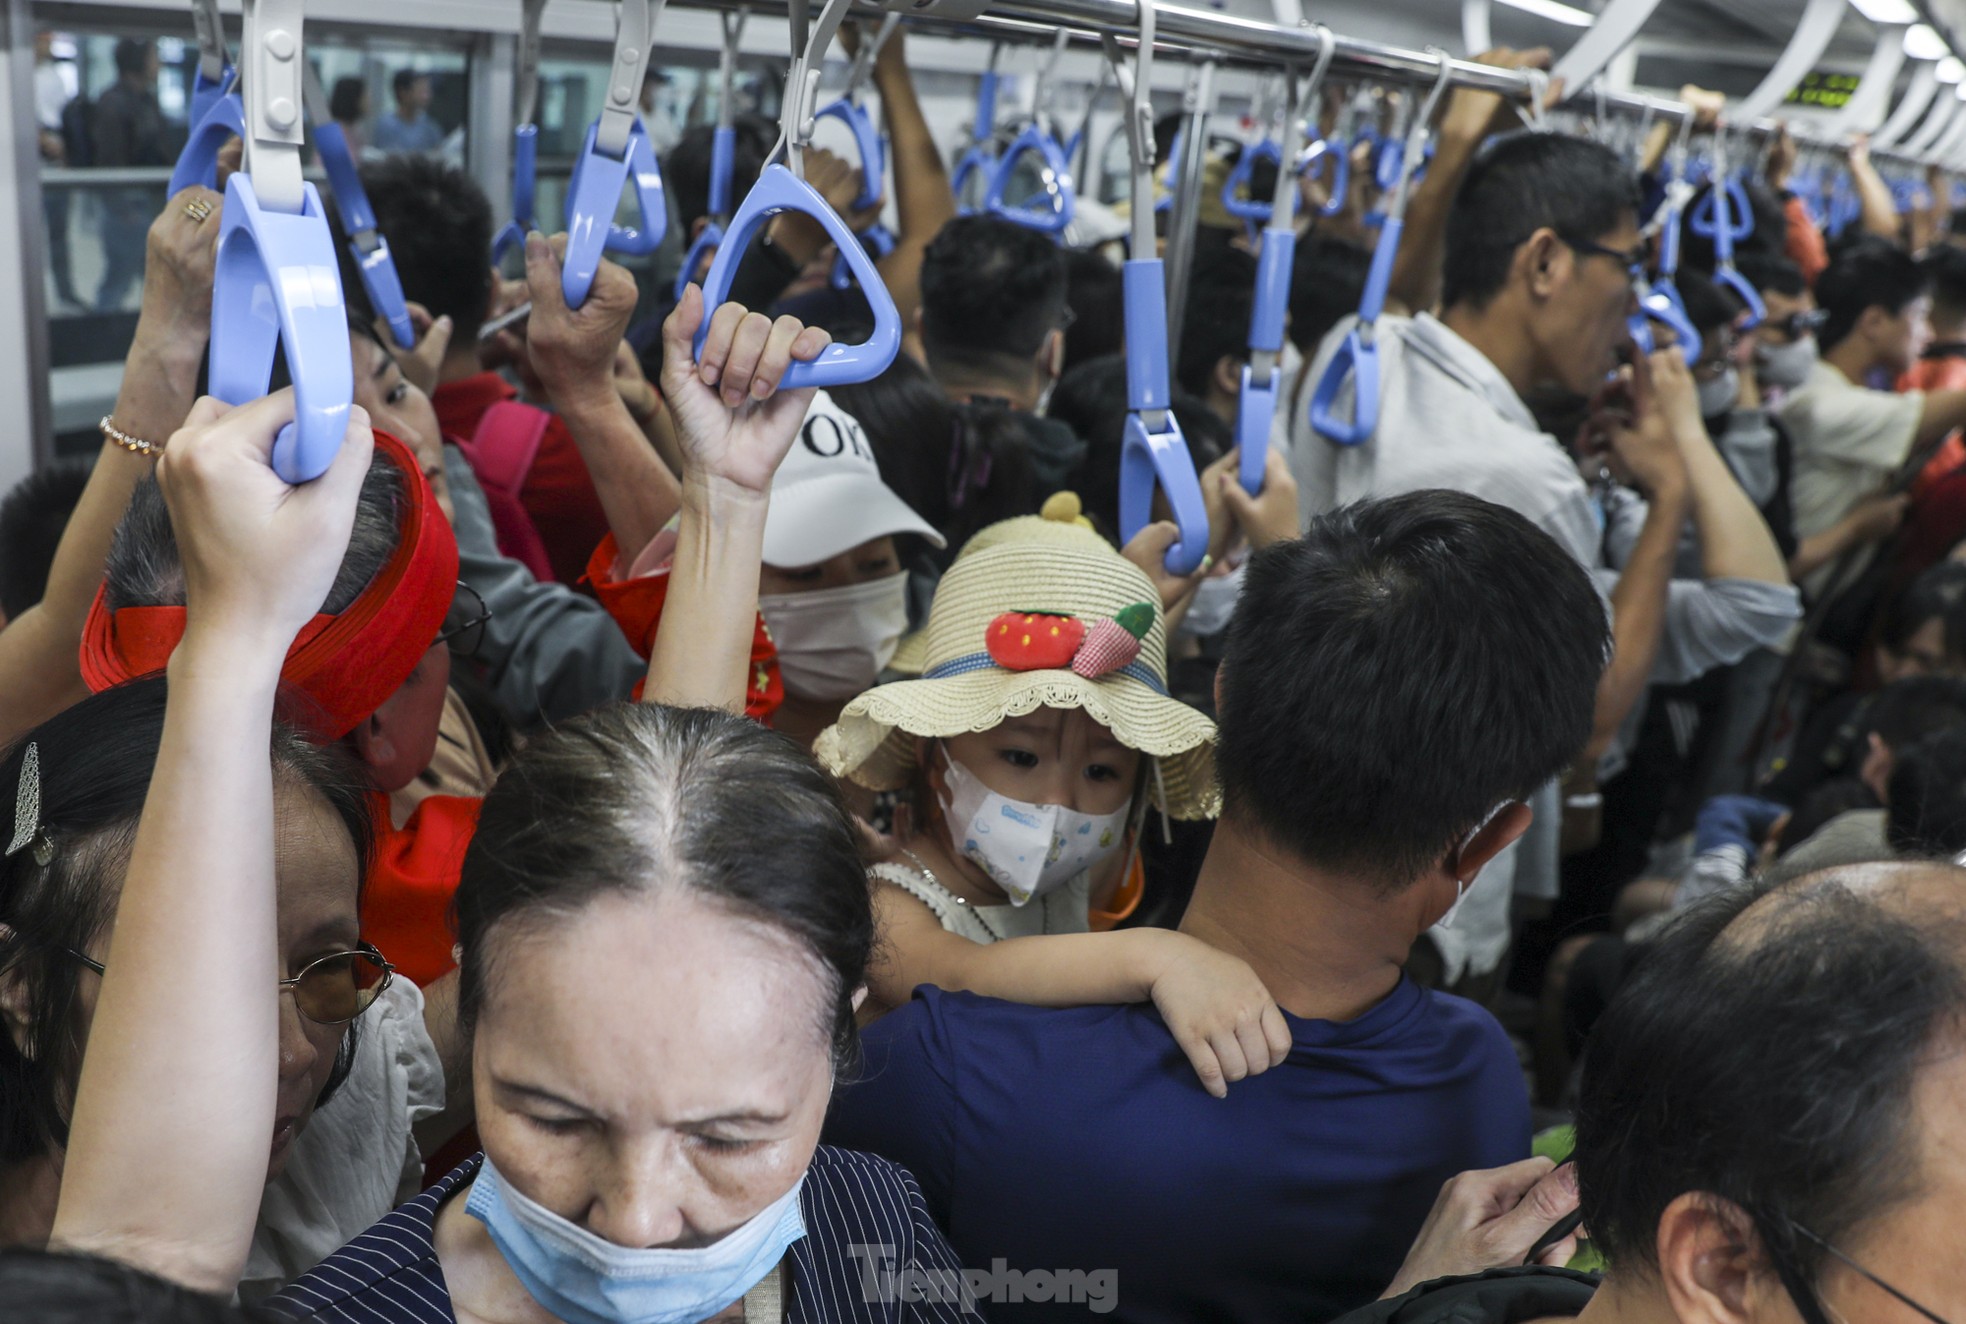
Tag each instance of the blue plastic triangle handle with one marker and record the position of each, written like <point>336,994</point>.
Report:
<point>867,142</point>
<point>1340,174</point>
<point>706,242</point>
<point>205,93</point>
<point>975,163</point>
<point>277,284</point>
<point>594,193</point>
<point>779,190</point>
<point>1358,356</point>
<point>197,163</point>
<point>1663,305</point>
<point>1238,198</point>
<point>1160,457</point>
<point>1060,203</point>
<point>525,155</point>
<point>378,269</point>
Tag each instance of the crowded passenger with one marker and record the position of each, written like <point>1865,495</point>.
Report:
<point>706,810</point>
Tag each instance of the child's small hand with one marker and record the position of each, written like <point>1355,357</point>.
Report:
<point>1220,1013</point>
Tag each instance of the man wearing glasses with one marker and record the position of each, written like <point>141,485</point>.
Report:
<point>1530,248</point>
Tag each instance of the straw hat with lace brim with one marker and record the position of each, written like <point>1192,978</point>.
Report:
<point>1035,613</point>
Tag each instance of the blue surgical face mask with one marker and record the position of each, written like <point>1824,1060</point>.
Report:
<point>585,1279</point>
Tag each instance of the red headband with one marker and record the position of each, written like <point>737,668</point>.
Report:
<point>346,665</point>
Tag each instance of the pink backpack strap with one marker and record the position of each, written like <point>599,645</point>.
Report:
<point>501,452</point>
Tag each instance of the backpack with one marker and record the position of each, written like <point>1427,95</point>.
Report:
<point>501,452</point>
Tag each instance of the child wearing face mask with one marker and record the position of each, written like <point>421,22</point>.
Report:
<point>1034,741</point>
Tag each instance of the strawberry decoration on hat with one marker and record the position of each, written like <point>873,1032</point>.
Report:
<point>1050,641</point>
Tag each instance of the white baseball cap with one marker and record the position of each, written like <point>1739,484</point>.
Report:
<point>828,497</point>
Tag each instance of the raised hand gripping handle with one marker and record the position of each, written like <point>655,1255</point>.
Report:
<point>1060,203</point>
<point>197,163</point>
<point>592,196</point>
<point>1257,406</point>
<point>365,238</point>
<point>1358,357</point>
<point>525,154</point>
<point>868,144</point>
<point>277,284</point>
<point>779,190</point>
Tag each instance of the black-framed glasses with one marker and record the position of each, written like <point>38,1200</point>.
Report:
<point>1797,325</point>
<point>1633,260</point>
<point>330,990</point>
<point>465,637</point>
<point>1808,1304</point>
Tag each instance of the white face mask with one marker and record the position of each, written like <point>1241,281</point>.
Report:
<point>1026,849</point>
<point>1213,604</point>
<point>1717,397</point>
<point>1786,366</point>
<point>833,643</point>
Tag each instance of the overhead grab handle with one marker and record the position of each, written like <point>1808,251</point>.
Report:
<point>276,282</point>
<point>782,188</point>
<point>366,242</point>
<point>215,72</point>
<point>1357,358</point>
<point>1049,210</point>
<point>1726,216</point>
<point>617,151</point>
<point>1153,452</point>
<point>1810,39</point>
<point>1262,382</point>
<point>525,133</point>
<point>978,160</point>
<point>723,156</point>
<point>1617,23</point>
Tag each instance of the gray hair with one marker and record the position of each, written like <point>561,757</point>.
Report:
<point>145,569</point>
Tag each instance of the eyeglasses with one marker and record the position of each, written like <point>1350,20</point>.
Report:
<point>330,990</point>
<point>1633,261</point>
<point>465,637</point>
<point>1797,325</point>
<point>1807,1304</point>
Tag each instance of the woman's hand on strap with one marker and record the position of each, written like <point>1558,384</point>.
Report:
<point>734,424</point>
<point>260,554</point>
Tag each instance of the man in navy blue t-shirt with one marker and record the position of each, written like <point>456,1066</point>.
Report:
<point>1394,683</point>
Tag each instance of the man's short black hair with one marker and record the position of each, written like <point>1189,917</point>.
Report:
<point>1873,273</point>
<point>1327,283</point>
<point>1916,706</point>
<point>686,170</point>
<point>439,226</point>
<point>1772,274</point>
<point>1926,814</point>
<point>405,81</point>
<point>1938,594</point>
<point>133,56</point>
<point>345,102</point>
<point>32,518</point>
<point>1770,1064</point>
<point>1945,275</point>
<point>1217,322</point>
<point>1522,183</point>
<point>1399,671</point>
<point>992,290</point>
<point>1094,293</point>
<point>1709,307</point>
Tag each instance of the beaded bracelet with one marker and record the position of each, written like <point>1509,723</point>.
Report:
<point>134,445</point>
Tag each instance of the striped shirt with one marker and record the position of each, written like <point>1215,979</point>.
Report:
<point>871,1253</point>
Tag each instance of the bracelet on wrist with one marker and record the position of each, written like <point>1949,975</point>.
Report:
<point>115,436</point>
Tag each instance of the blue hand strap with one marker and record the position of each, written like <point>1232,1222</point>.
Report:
<point>1049,211</point>
<point>525,153</point>
<point>779,190</point>
<point>197,163</point>
<point>877,238</point>
<point>277,283</point>
<point>1258,404</point>
<point>867,143</point>
<point>1358,356</point>
<point>1338,179</point>
<point>1724,215</point>
<point>1238,198</point>
<point>1662,304</point>
<point>365,238</point>
<point>978,161</point>
<point>592,196</point>
<point>205,93</point>
<point>1154,453</point>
